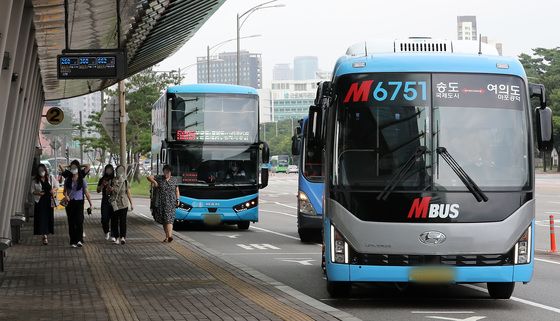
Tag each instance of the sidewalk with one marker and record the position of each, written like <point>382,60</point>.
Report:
<point>142,280</point>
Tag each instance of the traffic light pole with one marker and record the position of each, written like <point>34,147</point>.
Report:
<point>122,119</point>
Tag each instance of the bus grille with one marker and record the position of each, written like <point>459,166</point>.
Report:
<point>416,260</point>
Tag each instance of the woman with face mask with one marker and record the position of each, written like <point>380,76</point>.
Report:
<point>44,188</point>
<point>75,191</point>
<point>120,200</point>
<point>167,200</point>
<point>106,209</point>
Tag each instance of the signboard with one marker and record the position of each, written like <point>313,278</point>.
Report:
<point>110,120</point>
<point>91,66</point>
<point>214,135</point>
<point>55,116</point>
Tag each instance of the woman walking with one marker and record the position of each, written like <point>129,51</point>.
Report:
<point>75,190</point>
<point>44,187</point>
<point>120,200</point>
<point>166,200</point>
<point>106,209</point>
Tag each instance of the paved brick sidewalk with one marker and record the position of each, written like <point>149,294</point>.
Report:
<point>142,280</point>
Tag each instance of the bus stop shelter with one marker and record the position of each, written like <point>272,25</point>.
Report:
<point>34,32</point>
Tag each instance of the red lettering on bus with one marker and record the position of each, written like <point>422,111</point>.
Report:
<point>359,93</point>
<point>419,208</point>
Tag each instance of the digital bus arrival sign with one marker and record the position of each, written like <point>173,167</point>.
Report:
<point>91,66</point>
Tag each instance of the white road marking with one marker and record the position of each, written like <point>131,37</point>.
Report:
<point>275,212</point>
<point>455,319</point>
<point>253,246</point>
<point>553,202</point>
<point>288,206</point>
<point>442,312</point>
<point>231,236</point>
<point>277,233</point>
<point>268,253</point>
<point>547,261</point>
<point>299,261</point>
<point>527,302</point>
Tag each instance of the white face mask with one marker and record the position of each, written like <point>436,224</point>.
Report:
<point>74,171</point>
<point>42,173</point>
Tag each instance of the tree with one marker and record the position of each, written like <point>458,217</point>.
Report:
<point>543,66</point>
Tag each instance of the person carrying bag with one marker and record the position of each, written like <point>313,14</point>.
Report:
<point>120,200</point>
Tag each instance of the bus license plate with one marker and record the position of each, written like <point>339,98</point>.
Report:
<point>212,219</point>
<point>432,275</point>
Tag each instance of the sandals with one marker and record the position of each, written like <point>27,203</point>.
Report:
<point>167,240</point>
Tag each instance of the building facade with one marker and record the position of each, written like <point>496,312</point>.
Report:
<point>282,72</point>
<point>292,98</point>
<point>266,106</point>
<point>305,67</point>
<point>466,28</point>
<point>223,69</point>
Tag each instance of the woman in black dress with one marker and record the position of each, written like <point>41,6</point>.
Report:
<point>44,188</point>
<point>106,209</point>
<point>166,200</point>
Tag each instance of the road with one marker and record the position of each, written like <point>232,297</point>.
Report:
<point>272,247</point>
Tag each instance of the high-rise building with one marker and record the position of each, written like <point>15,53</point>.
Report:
<point>223,69</point>
<point>266,106</point>
<point>498,45</point>
<point>87,104</point>
<point>282,72</point>
<point>466,28</point>
<point>305,67</point>
<point>292,98</point>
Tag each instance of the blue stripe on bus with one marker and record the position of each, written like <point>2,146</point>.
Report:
<point>211,89</point>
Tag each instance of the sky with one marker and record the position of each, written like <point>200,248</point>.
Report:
<point>326,28</point>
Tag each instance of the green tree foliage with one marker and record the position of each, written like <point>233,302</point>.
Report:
<point>279,136</point>
<point>543,67</point>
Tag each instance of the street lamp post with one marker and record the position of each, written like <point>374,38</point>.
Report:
<point>246,14</point>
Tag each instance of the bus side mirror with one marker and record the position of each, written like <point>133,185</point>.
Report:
<point>296,142</point>
<point>265,160</point>
<point>543,118</point>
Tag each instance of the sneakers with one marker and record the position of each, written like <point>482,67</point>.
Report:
<point>117,241</point>
<point>113,239</point>
<point>108,236</point>
<point>123,241</point>
<point>79,244</point>
<point>73,245</point>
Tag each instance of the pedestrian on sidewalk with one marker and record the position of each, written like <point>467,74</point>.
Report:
<point>44,188</point>
<point>166,200</point>
<point>106,208</point>
<point>75,191</point>
<point>120,200</point>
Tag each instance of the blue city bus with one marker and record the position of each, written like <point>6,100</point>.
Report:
<point>428,165</point>
<point>209,135</point>
<point>310,185</point>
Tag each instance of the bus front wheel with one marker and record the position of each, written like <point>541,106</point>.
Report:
<point>339,289</point>
<point>243,225</point>
<point>500,290</point>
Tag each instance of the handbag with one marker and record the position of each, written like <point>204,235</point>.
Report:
<point>53,197</point>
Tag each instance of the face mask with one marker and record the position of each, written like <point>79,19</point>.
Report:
<point>42,173</point>
<point>74,171</point>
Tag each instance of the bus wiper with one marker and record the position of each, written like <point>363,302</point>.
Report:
<point>401,172</point>
<point>463,176</point>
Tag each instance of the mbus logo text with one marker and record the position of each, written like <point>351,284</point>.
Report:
<point>421,208</point>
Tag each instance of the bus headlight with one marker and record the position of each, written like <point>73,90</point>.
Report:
<point>304,203</point>
<point>184,207</point>
<point>522,250</point>
<point>246,205</point>
<point>339,247</point>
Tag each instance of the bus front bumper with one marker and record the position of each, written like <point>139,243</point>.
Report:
<point>462,274</point>
<point>214,212</point>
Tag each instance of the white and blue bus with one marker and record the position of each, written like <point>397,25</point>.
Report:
<point>429,165</point>
<point>209,135</point>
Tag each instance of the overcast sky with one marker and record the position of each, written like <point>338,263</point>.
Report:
<point>325,28</point>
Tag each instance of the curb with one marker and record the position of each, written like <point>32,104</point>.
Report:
<point>334,312</point>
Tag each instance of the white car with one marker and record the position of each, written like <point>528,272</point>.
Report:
<point>292,169</point>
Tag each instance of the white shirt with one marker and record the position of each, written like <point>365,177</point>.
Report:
<point>36,187</point>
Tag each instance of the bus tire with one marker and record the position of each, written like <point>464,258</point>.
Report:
<point>500,290</point>
<point>243,225</point>
<point>339,289</point>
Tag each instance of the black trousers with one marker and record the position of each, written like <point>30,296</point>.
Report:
<point>75,214</point>
<point>118,223</point>
<point>106,213</point>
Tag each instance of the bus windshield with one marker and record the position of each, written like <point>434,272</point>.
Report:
<point>213,165</point>
<point>383,119</point>
<point>214,118</point>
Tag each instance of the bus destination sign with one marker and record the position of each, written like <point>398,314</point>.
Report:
<point>90,66</point>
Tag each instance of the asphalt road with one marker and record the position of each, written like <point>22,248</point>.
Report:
<point>272,247</point>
